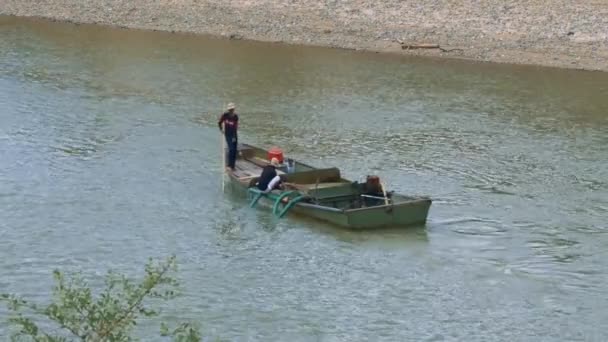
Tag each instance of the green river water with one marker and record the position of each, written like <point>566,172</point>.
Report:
<point>109,155</point>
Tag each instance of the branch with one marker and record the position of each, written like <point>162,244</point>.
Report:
<point>134,305</point>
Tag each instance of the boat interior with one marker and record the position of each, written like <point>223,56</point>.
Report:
<point>323,187</point>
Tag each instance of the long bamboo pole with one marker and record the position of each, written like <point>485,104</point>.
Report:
<point>223,152</point>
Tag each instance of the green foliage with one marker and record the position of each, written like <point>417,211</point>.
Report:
<point>79,315</point>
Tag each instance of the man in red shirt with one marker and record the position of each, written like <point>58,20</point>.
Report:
<point>230,120</point>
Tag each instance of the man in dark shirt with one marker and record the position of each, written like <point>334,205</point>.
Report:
<point>230,120</point>
<point>270,180</point>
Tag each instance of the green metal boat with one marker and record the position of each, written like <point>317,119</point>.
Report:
<point>324,195</point>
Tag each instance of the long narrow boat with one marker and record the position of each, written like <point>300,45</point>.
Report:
<point>323,194</point>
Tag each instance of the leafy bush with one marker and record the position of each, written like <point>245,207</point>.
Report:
<point>79,315</point>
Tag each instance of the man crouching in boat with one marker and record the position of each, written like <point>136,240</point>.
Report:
<point>269,179</point>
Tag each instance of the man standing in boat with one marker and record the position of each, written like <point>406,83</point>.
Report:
<point>230,121</point>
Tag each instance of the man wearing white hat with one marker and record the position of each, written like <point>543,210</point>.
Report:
<point>230,120</point>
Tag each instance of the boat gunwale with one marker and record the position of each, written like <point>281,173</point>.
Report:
<point>390,205</point>
<point>320,207</point>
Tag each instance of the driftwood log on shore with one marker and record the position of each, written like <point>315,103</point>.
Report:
<point>405,46</point>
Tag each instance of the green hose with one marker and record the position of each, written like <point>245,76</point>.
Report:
<point>277,202</point>
<point>289,205</point>
<point>256,197</point>
<point>257,194</point>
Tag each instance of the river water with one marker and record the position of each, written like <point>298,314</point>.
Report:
<point>109,155</point>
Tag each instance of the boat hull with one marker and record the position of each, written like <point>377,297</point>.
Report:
<point>409,213</point>
<point>403,214</point>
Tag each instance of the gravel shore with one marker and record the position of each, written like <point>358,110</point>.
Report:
<point>559,33</point>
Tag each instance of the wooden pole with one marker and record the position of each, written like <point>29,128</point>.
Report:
<point>384,193</point>
<point>223,158</point>
<point>223,152</point>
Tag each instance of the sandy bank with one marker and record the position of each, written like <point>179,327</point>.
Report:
<point>560,33</point>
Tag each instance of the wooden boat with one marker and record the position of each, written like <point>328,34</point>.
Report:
<point>323,194</point>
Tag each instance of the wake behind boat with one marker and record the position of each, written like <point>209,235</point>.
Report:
<point>323,194</point>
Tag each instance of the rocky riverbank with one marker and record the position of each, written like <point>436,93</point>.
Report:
<point>560,33</point>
